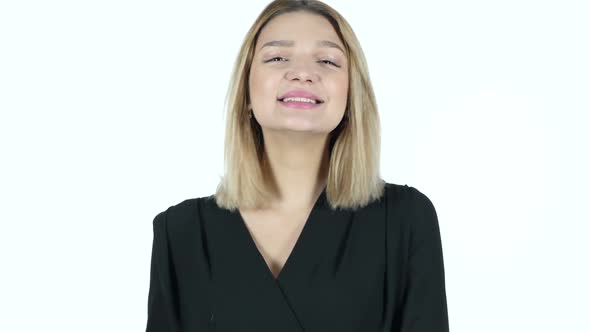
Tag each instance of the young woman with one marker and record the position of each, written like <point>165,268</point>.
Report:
<point>302,233</point>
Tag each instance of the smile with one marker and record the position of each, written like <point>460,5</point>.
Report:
<point>299,102</point>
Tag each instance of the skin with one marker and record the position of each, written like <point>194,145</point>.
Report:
<point>296,140</point>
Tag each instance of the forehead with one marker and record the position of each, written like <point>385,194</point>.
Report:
<point>298,26</point>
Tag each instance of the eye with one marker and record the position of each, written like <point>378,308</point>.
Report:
<point>330,63</point>
<point>275,59</point>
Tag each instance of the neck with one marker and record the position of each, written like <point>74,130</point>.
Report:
<point>299,168</point>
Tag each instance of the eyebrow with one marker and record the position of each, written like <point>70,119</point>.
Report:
<point>290,43</point>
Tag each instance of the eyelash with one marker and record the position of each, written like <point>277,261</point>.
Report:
<point>324,61</point>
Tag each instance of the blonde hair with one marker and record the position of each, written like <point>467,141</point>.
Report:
<point>353,178</point>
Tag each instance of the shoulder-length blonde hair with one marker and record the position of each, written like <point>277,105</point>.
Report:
<point>353,178</point>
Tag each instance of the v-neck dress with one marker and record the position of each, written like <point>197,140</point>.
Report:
<point>374,269</point>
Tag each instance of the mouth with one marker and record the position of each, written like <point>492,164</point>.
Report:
<point>300,100</point>
<point>300,103</point>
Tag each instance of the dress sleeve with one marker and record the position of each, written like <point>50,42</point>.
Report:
<point>160,316</point>
<point>424,306</point>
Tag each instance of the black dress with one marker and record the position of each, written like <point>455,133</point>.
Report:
<point>379,268</point>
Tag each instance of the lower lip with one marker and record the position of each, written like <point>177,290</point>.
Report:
<point>299,105</point>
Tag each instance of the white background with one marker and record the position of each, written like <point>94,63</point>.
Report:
<point>112,111</point>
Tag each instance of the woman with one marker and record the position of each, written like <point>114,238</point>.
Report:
<point>302,234</point>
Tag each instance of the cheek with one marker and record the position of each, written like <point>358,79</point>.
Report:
<point>253,84</point>
<point>340,90</point>
<point>345,88</point>
<point>262,86</point>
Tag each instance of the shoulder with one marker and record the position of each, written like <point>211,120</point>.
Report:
<point>412,217</point>
<point>409,208</point>
<point>407,197</point>
<point>181,216</point>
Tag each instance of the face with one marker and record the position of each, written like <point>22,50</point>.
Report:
<point>299,55</point>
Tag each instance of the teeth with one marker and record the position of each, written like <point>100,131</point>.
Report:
<point>299,99</point>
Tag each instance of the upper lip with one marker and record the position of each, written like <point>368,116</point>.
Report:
<point>300,93</point>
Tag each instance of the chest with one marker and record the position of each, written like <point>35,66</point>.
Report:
<point>275,235</point>
<point>328,270</point>
<point>331,263</point>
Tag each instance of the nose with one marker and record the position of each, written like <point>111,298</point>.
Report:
<point>301,73</point>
